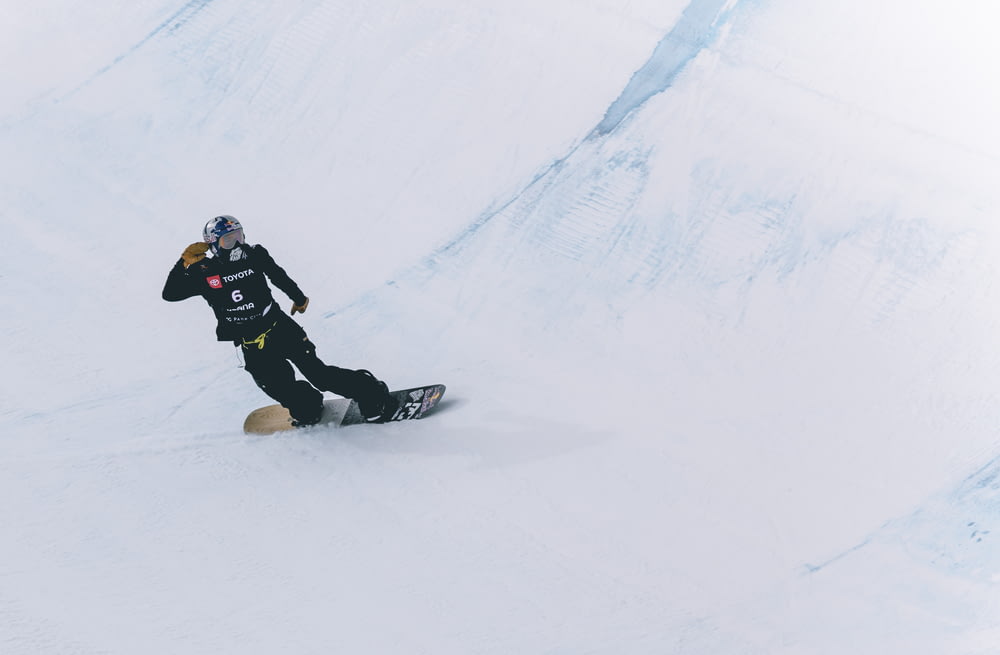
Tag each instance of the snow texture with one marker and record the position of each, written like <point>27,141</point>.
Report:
<point>713,286</point>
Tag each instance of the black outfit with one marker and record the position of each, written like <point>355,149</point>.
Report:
<point>239,294</point>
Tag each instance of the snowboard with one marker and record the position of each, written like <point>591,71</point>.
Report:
<point>413,403</point>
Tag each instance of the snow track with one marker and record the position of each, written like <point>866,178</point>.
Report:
<point>713,295</point>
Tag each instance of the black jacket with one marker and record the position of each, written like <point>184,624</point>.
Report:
<point>237,291</point>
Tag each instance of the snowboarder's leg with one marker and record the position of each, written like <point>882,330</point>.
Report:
<point>371,393</point>
<point>275,376</point>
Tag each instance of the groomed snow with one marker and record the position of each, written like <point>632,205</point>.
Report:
<point>713,286</point>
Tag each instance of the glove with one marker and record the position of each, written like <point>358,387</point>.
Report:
<point>300,309</point>
<point>194,253</point>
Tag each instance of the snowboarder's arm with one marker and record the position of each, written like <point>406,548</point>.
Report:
<point>178,285</point>
<point>280,278</point>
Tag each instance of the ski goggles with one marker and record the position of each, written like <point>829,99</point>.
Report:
<point>230,239</point>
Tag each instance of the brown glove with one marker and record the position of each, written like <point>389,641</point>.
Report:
<point>301,309</point>
<point>194,253</point>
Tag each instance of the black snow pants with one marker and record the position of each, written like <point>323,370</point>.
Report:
<point>267,358</point>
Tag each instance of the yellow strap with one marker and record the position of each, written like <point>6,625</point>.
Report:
<point>259,340</point>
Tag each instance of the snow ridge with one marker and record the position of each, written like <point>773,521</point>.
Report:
<point>696,30</point>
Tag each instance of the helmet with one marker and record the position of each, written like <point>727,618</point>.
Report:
<point>220,227</point>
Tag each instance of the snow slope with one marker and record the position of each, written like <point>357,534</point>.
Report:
<point>712,285</point>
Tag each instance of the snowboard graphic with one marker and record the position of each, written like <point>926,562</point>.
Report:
<point>413,404</point>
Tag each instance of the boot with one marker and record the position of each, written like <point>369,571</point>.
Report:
<point>376,404</point>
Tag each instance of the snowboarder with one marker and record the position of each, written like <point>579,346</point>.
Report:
<point>234,282</point>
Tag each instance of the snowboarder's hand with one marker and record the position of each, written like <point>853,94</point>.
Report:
<point>194,253</point>
<point>300,309</point>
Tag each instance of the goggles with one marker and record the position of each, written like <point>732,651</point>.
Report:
<point>230,239</point>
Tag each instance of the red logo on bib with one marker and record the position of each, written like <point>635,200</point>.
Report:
<point>215,281</point>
